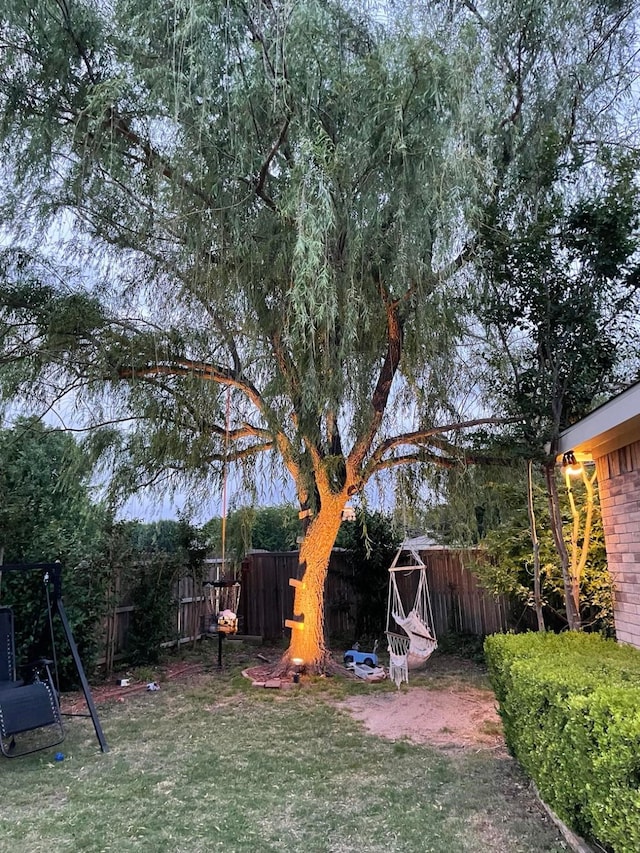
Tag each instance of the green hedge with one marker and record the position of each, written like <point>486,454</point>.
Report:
<point>570,705</point>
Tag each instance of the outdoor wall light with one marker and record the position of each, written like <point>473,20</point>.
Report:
<point>570,464</point>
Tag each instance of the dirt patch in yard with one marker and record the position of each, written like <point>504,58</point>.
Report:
<point>453,718</point>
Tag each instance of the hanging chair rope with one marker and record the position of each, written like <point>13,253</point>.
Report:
<point>398,658</point>
<point>224,594</point>
<point>224,476</point>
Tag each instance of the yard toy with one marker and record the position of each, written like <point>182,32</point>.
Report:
<point>358,657</point>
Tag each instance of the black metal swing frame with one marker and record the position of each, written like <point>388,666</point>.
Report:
<point>16,697</point>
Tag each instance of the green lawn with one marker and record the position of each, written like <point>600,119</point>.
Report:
<point>218,765</point>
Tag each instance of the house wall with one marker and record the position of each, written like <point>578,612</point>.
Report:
<point>619,485</point>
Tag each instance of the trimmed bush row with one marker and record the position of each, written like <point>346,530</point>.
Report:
<point>570,704</point>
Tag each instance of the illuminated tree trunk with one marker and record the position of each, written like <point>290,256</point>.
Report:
<point>572,608</point>
<point>307,635</point>
<point>580,552</point>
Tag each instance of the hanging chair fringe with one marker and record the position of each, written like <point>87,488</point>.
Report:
<point>398,658</point>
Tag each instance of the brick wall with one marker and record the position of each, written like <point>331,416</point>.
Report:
<point>619,485</point>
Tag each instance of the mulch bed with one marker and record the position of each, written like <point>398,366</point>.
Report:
<point>74,702</point>
<point>103,693</point>
<point>268,674</point>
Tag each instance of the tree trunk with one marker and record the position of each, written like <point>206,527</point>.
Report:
<point>573,611</point>
<point>307,636</point>
<point>537,586</point>
<point>580,553</point>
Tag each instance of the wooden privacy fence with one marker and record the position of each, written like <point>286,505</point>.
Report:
<point>458,601</point>
<point>266,599</point>
<point>188,617</point>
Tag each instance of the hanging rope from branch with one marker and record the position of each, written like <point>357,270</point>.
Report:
<point>225,462</point>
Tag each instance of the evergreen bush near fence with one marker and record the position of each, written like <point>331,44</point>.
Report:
<point>570,704</point>
<point>84,593</point>
<point>153,619</point>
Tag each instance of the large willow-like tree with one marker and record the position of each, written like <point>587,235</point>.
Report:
<point>267,207</point>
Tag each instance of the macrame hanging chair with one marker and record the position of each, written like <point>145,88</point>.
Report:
<point>410,633</point>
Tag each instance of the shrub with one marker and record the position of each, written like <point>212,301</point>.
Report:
<point>83,588</point>
<point>571,711</point>
<point>463,644</point>
<point>46,514</point>
<point>152,595</point>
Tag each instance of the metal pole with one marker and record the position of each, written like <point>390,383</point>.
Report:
<point>83,678</point>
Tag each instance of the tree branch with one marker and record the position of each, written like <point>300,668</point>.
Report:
<point>264,171</point>
<point>205,370</point>
<point>382,390</point>
<point>154,159</point>
<point>226,377</point>
<point>428,437</point>
<point>413,459</point>
<point>82,53</point>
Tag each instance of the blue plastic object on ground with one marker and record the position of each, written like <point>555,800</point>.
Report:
<point>59,756</point>
<point>356,656</point>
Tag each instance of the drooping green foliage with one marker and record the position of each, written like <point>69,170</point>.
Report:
<point>281,198</point>
<point>271,210</point>
<point>468,504</point>
<point>277,177</point>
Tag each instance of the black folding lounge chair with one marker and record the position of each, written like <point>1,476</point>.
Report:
<point>7,650</point>
<point>28,706</point>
